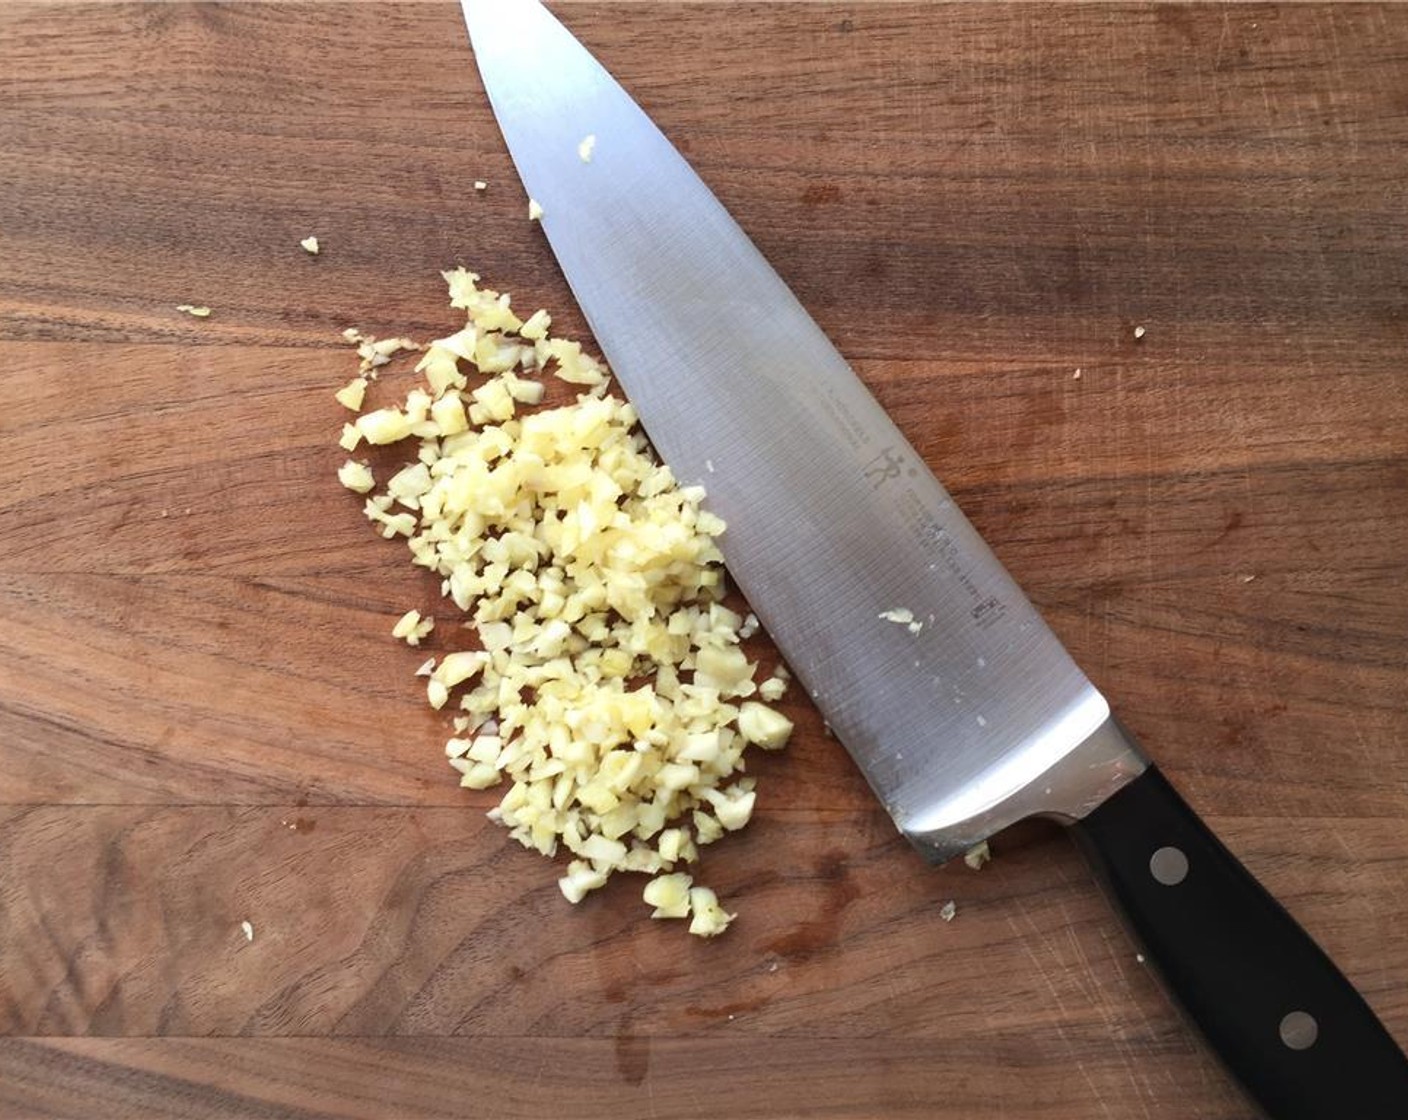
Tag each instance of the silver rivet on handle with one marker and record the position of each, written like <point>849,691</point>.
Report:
<point>1169,866</point>
<point>1299,1030</point>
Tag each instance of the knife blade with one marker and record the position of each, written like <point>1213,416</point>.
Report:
<point>958,703</point>
<point>961,726</point>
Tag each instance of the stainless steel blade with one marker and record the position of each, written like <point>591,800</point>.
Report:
<point>967,719</point>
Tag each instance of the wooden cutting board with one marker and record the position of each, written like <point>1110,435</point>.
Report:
<point>205,722</point>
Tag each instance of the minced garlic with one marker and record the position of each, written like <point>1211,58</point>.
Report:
<point>977,855</point>
<point>609,691</point>
<point>709,919</point>
<point>375,352</point>
<point>669,894</point>
<point>412,628</point>
<point>351,395</point>
<point>356,476</point>
<point>775,687</point>
<point>764,726</point>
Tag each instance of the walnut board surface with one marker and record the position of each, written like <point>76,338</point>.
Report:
<point>204,721</point>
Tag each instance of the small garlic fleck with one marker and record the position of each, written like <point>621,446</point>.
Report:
<point>977,855</point>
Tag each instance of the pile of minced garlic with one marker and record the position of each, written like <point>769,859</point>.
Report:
<point>608,690</point>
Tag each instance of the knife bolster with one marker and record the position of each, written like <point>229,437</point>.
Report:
<point>1103,763</point>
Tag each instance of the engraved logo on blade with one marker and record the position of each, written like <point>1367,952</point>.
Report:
<point>886,467</point>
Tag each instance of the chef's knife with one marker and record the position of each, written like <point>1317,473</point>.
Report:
<point>958,703</point>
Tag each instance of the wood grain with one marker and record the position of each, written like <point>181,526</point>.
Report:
<point>203,720</point>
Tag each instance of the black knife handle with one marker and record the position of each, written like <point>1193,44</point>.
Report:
<point>1282,1017</point>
